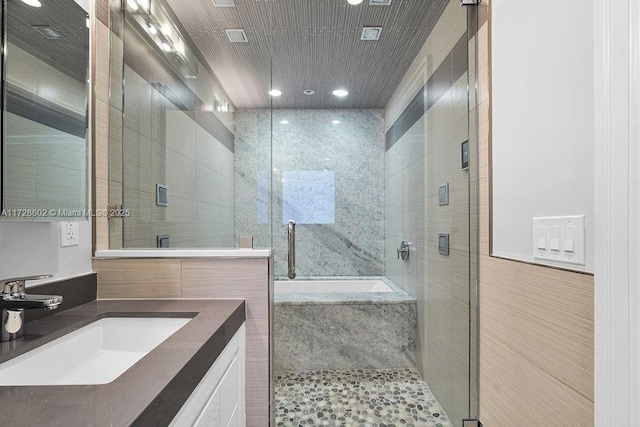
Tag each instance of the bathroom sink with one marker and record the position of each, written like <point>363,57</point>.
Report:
<point>95,354</point>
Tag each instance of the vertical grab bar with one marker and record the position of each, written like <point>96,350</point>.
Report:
<point>291,248</point>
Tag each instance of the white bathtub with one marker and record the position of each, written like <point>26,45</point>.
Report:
<point>330,286</point>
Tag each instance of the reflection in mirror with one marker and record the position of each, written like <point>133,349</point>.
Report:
<point>171,129</point>
<point>45,75</point>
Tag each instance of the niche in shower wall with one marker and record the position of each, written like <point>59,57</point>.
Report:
<point>348,144</point>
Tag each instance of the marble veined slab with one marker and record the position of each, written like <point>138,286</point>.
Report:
<point>323,168</point>
<point>344,336</point>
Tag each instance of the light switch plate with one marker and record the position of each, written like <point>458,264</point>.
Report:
<point>564,238</point>
<point>69,234</point>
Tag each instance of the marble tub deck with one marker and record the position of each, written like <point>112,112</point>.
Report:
<point>372,398</point>
<point>398,295</point>
<point>360,330</point>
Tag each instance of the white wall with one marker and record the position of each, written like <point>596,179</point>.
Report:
<point>543,116</point>
<point>30,248</point>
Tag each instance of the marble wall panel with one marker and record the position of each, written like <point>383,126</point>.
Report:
<point>252,176</point>
<point>349,143</point>
<point>370,335</point>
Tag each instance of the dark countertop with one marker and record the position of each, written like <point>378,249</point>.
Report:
<point>150,393</point>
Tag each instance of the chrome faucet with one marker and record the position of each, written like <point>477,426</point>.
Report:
<point>14,300</point>
<point>403,250</point>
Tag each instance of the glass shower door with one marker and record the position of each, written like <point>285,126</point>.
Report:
<point>358,182</point>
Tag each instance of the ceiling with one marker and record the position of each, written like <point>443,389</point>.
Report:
<point>309,44</point>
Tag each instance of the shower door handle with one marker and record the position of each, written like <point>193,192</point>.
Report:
<point>291,248</point>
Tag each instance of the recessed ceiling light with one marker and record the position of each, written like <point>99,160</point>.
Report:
<point>34,3</point>
<point>371,33</point>
<point>284,122</point>
<point>309,92</point>
<point>166,47</point>
<point>380,2</point>
<point>354,2</point>
<point>336,122</point>
<point>236,35</point>
<point>47,31</point>
<point>340,93</point>
<point>224,3</point>
<point>275,92</point>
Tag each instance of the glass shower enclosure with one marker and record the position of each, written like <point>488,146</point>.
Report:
<point>363,177</point>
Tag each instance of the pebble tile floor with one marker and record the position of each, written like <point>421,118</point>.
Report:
<point>356,398</point>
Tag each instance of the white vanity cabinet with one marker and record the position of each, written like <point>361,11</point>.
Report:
<point>219,399</point>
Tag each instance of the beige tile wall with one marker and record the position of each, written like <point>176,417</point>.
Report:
<point>444,36</point>
<point>443,300</point>
<point>404,207</point>
<point>536,323</point>
<point>238,278</point>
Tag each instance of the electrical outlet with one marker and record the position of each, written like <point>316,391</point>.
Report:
<point>69,234</point>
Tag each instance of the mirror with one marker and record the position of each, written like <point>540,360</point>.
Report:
<point>45,73</point>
